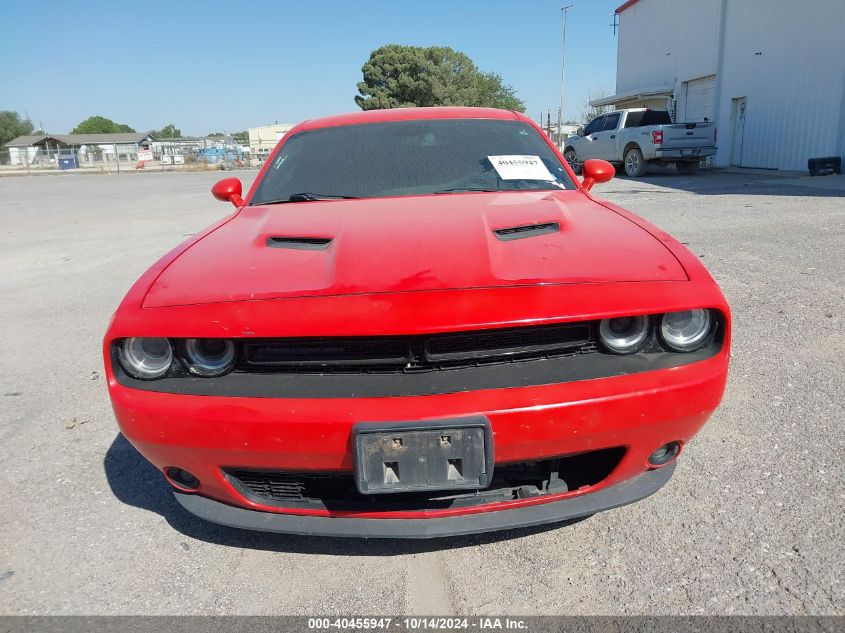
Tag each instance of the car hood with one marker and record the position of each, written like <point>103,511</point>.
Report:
<point>413,244</point>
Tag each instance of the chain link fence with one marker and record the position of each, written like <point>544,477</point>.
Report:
<point>170,155</point>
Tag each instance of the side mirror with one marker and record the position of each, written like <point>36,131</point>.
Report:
<point>228,190</point>
<point>594,171</point>
<point>580,131</point>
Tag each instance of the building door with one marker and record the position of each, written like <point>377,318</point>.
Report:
<point>738,124</point>
<point>699,99</point>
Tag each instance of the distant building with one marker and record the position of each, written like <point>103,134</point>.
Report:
<point>47,148</point>
<point>22,150</point>
<point>566,129</point>
<point>182,145</point>
<point>263,139</point>
<point>768,72</point>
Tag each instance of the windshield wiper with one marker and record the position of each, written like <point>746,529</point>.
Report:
<point>307,196</point>
<point>459,189</point>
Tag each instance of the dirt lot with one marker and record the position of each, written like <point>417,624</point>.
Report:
<point>752,522</point>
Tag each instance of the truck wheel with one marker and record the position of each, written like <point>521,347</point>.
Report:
<point>635,165</point>
<point>687,168</point>
<point>572,159</point>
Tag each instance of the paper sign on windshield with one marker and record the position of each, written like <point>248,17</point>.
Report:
<point>520,168</point>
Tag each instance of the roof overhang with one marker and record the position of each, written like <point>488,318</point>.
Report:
<point>645,93</point>
<point>625,5</point>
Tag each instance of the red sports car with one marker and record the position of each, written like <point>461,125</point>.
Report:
<point>417,323</point>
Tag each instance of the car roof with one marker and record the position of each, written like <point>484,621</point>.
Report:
<point>409,114</point>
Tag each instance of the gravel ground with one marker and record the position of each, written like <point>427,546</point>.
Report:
<point>752,522</point>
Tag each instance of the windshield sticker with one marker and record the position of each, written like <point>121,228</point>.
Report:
<point>513,167</point>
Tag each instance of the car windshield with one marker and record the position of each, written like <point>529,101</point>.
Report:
<point>404,158</point>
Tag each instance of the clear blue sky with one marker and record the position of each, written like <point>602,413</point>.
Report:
<point>224,66</point>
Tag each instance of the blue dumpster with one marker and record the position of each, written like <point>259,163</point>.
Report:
<point>68,162</point>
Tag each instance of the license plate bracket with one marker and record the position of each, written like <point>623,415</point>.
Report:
<point>449,454</point>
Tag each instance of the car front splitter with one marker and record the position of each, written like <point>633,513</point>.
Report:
<point>621,494</point>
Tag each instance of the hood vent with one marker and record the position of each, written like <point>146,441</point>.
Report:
<point>527,230</point>
<point>300,243</point>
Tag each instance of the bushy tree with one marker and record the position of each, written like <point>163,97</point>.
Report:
<point>398,76</point>
<point>168,131</point>
<point>12,126</point>
<point>100,125</point>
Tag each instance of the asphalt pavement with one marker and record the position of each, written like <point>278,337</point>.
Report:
<point>753,521</point>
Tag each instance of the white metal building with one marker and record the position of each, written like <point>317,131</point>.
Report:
<point>770,73</point>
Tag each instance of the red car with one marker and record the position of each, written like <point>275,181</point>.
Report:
<point>417,323</point>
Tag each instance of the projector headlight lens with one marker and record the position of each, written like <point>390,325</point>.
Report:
<point>686,331</point>
<point>208,357</point>
<point>624,335</point>
<point>146,358</point>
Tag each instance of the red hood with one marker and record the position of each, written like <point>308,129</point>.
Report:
<point>410,244</point>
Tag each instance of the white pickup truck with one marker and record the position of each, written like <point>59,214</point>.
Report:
<point>639,136</point>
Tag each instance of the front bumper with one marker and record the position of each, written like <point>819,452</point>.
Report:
<point>621,494</point>
<point>208,434</point>
<point>692,153</point>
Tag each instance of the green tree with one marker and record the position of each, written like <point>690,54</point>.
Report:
<point>168,131</point>
<point>397,76</point>
<point>241,137</point>
<point>12,126</point>
<point>100,125</point>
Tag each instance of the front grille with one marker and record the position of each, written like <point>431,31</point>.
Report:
<point>337,490</point>
<point>523,342</point>
<point>337,352</point>
<point>417,353</point>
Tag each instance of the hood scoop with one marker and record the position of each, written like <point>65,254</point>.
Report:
<point>299,243</point>
<point>526,230</point>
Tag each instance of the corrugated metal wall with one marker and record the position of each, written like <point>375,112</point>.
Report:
<point>790,65</point>
<point>699,99</point>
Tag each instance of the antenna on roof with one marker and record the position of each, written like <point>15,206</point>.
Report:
<point>615,23</point>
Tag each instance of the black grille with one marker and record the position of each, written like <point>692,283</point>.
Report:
<point>285,486</point>
<point>278,486</point>
<point>328,351</point>
<point>417,353</point>
<point>468,345</point>
<point>510,481</point>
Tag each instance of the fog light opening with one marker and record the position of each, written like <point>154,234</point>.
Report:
<point>181,478</point>
<point>665,454</point>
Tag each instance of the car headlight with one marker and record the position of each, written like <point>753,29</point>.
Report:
<point>686,331</point>
<point>624,335</point>
<point>208,357</point>
<point>145,357</point>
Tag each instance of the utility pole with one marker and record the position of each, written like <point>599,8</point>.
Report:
<point>565,11</point>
